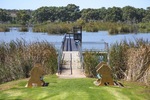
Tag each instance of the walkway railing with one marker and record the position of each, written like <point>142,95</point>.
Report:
<point>60,56</point>
<point>100,47</point>
<point>71,63</point>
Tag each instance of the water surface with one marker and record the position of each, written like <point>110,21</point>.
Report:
<point>97,37</point>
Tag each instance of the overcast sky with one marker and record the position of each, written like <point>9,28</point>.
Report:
<point>34,4</point>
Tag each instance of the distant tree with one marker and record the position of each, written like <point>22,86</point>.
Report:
<point>147,15</point>
<point>69,13</point>
<point>140,14</point>
<point>23,17</point>
<point>61,14</point>
<point>129,13</point>
<point>102,13</point>
<point>114,14</point>
<point>90,14</point>
<point>41,14</point>
<point>4,16</point>
<point>73,12</point>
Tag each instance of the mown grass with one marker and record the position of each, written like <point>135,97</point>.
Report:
<point>72,89</point>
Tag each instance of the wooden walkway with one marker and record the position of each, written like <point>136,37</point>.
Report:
<point>71,64</point>
<point>70,59</point>
<point>70,45</point>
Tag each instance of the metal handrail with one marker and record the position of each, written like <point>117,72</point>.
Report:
<point>80,51</point>
<point>59,59</point>
<point>71,62</point>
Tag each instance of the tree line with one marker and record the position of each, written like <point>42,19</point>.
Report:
<point>71,13</point>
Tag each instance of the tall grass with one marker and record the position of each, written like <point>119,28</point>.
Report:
<point>3,28</point>
<point>23,29</point>
<point>18,57</point>
<point>53,28</point>
<point>95,26</point>
<point>144,27</point>
<point>131,60</point>
<point>91,27</point>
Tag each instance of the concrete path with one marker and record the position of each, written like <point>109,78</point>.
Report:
<point>76,73</point>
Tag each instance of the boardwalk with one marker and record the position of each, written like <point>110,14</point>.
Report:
<point>70,62</point>
<point>71,59</point>
<point>70,45</point>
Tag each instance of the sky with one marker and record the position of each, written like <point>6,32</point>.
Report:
<point>35,4</point>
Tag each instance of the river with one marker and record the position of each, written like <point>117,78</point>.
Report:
<point>101,36</point>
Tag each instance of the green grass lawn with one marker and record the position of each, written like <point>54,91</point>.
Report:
<point>72,89</point>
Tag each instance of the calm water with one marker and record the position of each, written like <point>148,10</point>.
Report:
<point>101,36</point>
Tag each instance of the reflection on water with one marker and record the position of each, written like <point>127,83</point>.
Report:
<point>101,36</point>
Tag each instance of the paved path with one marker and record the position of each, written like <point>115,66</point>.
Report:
<point>76,73</point>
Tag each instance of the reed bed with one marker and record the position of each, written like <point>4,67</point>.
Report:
<point>116,28</point>
<point>144,27</point>
<point>17,59</point>
<point>53,28</point>
<point>23,29</point>
<point>131,60</point>
<point>93,26</point>
<point>4,28</point>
